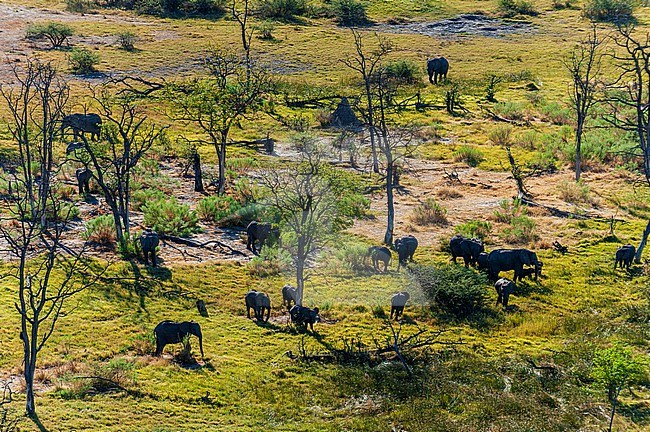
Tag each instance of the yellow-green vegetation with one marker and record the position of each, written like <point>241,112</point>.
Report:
<point>540,365</point>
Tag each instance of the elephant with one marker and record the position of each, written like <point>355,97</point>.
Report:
<point>73,146</point>
<point>83,180</point>
<point>405,247</point>
<point>532,271</point>
<point>258,301</point>
<point>149,241</point>
<point>512,259</point>
<point>483,261</point>
<point>304,316</point>
<point>397,303</point>
<point>437,67</point>
<point>169,332</point>
<point>504,288</point>
<point>467,248</point>
<point>289,295</point>
<point>81,123</point>
<point>624,256</point>
<point>379,253</point>
<point>259,231</point>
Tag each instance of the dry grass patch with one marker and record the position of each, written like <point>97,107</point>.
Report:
<point>448,193</point>
<point>429,213</point>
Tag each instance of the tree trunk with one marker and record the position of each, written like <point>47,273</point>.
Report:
<point>611,417</point>
<point>578,147</point>
<point>390,223</point>
<point>222,167</point>
<point>639,250</point>
<point>198,175</point>
<point>300,269</point>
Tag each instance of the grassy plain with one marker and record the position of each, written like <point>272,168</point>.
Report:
<point>492,381</point>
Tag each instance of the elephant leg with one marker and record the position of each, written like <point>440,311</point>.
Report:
<point>505,300</point>
<point>268,314</point>
<point>81,191</point>
<point>248,312</point>
<point>385,266</point>
<point>499,298</point>
<point>153,258</point>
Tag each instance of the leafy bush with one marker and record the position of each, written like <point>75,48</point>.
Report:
<point>500,135</point>
<point>265,30</point>
<point>510,110</point>
<point>281,9</point>
<point>270,262</point>
<point>448,193</point>
<point>474,228</point>
<point>140,197</point>
<point>79,6</point>
<point>615,11</point>
<point>454,289</point>
<point>174,7</point>
<point>56,33</point>
<point>509,209</point>
<point>510,8</point>
<point>170,217</point>
<point>349,12</point>
<point>82,61</point>
<point>101,231</point>
<point>429,213</point>
<point>575,193</point>
<point>563,4</point>
<point>221,210</point>
<point>554,113</point>
<point>352,256</point>
<point>127,40</point>
<point>405,71</point>
<point>469,154</point>
<point>521,230</point>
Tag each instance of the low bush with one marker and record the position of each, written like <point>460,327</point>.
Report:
<point>510,8</point>
<point>56,33</point>
<point>281,9</point>
<point>140,197</point>
<point>79,6</point>
<point>429,213</point>
<point>127,40</point>
<point>170,217</point>
<point>521,230</point>
<point>271,261</point>
<point>405,71</point>
<point>509,209</point>
<point>82,61</point>
<point>501,135</point>
<point>222,210</point>
<point>448,193</point>
<point>575,192</point>
<point>510,110</point>
<point>454,289</point>
<point>474,229</point>
<point>614,11</point>
<point>352,256</point>
<point>470,155</point>
<point>555,114</point>
<point>101,231</point>
<point>349,12</point>
<point>265,30</point>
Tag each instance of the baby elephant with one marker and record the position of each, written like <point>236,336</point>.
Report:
<point>504,288</point>
<point>149,241</point>
<point>289,295</point>
<point>258,301</point>
<point>397,303</point>
<point>379,253</point>
<point>83,180</point>
<point>625,255</point>
<point>531,272</point>
<point>304,316</point>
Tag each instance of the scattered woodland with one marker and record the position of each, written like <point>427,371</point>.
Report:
<point>168,167</point>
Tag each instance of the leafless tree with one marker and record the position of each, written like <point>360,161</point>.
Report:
<point>303,200</point>
<point>8,421</point>
<point>218,103</point>
<point>629,97</point>
<point>128,136</point>
<point>583,64</point>
<point>367,63</point>
<point>241,12</point>
<point>46,272</point>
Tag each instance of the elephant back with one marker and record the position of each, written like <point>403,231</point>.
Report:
<point>262,300</point>
<point>250,298</point>
<point>149,240</point>
<point>399,299</point>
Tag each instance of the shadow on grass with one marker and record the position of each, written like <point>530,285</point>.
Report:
<point>638,412</point>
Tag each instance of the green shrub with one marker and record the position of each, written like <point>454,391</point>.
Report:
<point>140,197</point>
<point>510,110</point>
<point>501,135</point>
<point>454,289</point>
<point>100,230</point>
<point>405,71</point>
<point>222,210</point>
<point>265,30</point>
<point>281,9</point>
<point>271,261</point>
<point>575,192</point>
<point>521,230</point>
<point>469,154</point>
<point>429,213</point>
<point>474,229</point>
<point>349,12</point>
<point>510,8</point>
<point>352,256</point>
<point>82,61</point>
<point>170,217</point>
<point>554,113</point>
<point>79,6</point>
<point>563,4</point>
<point>127,40</point>
<point>615,11</point>
<point>509,209</point>
<point>56,33</point>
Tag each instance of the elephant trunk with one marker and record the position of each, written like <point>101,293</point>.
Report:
<point>200,336</point>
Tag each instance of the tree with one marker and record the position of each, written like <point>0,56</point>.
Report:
<point>615,368</point>
<point>56,33</point>
<point>629,99</point>
<point>219,102</point>
<point>46,272</point>
<point>127,138</point>
<point>583,64</point>
<point>303,200</point>
<point>242,16</point>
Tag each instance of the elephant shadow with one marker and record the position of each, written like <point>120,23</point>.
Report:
<point>90,199</point>
<point>159,273</point>
<point>524,289</point>
<point>273,328</point>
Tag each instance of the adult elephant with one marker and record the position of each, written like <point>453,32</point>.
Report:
<point>169,332</point>
<point>259,231</point>
<point>504,288</point>
<point>437,68</point>
<point>80,123</point>
<point>83,180</point>
<point>304,316</point>
<point>379,253</point>
<point>149,241</point>
<point>258,302</point>
<point>512,259</point>
<point>289,295</point>
<point>405,248</point>
<point>397,303</point>
<point>468,249</point>
<point>624,256</point>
